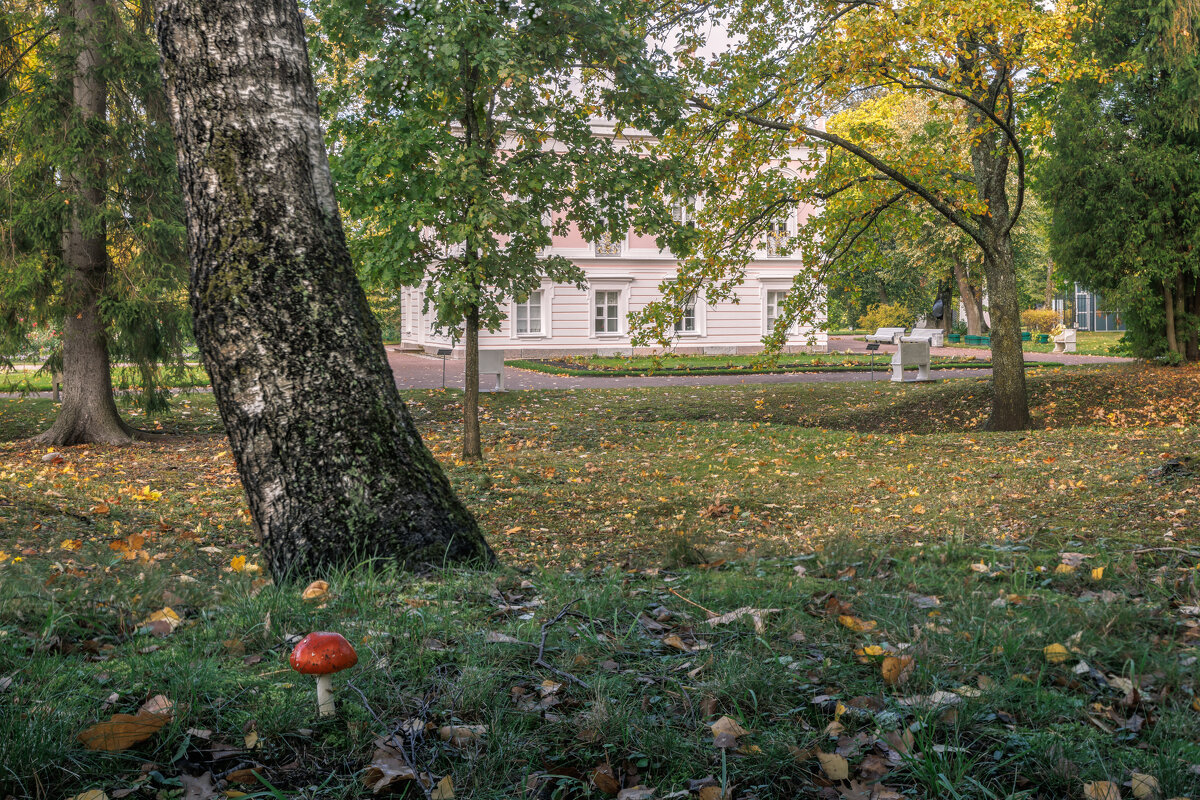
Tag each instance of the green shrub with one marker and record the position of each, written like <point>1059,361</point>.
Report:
<point>886,315</point>
<point>1041,320</point>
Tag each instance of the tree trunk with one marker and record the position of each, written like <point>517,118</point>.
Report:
<point>1190,300</point>
<point>1169,309</point>
<point>1049,296</point>
<point>1010,403</point>
<point>333,467</point>
<point>472,447</point>
<point>88,412</point>
<point>970,302</point>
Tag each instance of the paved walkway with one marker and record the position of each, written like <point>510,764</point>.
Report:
<point>425,372</point>
<point>415,371</point>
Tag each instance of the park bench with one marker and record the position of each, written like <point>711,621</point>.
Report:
<point>911,352</point>
<point>886,335</point>
<point>936,336</point>
<point>491,362</point>
<point>1065,341</point>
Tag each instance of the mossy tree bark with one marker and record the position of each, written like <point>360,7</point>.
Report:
<point>331,462</point>
<point>88,413</point>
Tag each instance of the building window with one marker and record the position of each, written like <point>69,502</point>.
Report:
<point>607,247</point>
<point>608,312</point>
<point>529,315</point>
<point>687,323</point>
<point>777,237</point>
<point>683,211</point>
<point>774,307</point>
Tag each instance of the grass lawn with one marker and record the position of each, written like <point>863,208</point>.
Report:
<point>1087,343</point>
<point>668,363</point>
<point>908,569</point>
<point>32,379</point>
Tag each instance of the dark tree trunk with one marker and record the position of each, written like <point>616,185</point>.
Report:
<point>472,447</point>
<point>88,412</point>
<point>1010,402</point>
<point>1169,309</point>
<point>1049,292</point>
<point>331,462</point>
<point>1192,318</point>
<point>969,300</point>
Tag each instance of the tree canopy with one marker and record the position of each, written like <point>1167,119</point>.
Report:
<point>52,155</point>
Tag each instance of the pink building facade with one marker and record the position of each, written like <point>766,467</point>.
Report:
<point>623,277</point>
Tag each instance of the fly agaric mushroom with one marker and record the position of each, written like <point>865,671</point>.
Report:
<point>323,654</point>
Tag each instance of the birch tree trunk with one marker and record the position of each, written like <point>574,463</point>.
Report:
<point>88,413</point>
<point>331,462</point>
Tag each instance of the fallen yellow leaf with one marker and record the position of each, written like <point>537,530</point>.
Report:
<point>858,625</point>
<point>835,767</point>
<point>1101,790</point>
<point>1144,785</point>
<point>1097,573</point>
<point>238,564</point>
<point>1055,653</point>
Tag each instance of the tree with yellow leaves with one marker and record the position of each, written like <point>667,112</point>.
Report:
<point>983,69</point>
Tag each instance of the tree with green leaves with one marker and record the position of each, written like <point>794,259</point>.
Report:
<point>465,137</point>
<point>1124,182</point>
<point>981,66</point>
<point>91,237</point>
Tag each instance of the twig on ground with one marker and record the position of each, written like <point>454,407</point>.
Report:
<point>546,626</point>
<point>1183,550</point>
<point>692,602</point>
<point>409,756</point>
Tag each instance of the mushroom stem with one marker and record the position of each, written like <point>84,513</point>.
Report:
<point>325,705</point>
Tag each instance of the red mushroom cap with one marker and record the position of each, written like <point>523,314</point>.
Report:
<point>321,652</point>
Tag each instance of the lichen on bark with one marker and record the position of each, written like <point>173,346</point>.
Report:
<point>334,469</point>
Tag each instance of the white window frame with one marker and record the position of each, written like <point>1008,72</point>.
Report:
<point>769,285</point>
<point>547,303</point>
<point>700,315</point>
<point>622,287</point>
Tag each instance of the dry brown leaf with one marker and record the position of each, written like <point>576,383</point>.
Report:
<point>317,590</point>
<point>755,614</point>
<point>835,767</point>
<point>495,637</point>
<point>1101,790</point>
<point>388,769</point>
<point>603,779</point>
<point>461,735</point>
<point>90,794</point>
<point>729,726</point>
<point>710,793</point>
<point>636,793</point>
<point>1143,785</point>
<point>674,641</point>
<point>159,704</point>
<point>444,789</point>
<point>122,731</point>
<point>897,669</point>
